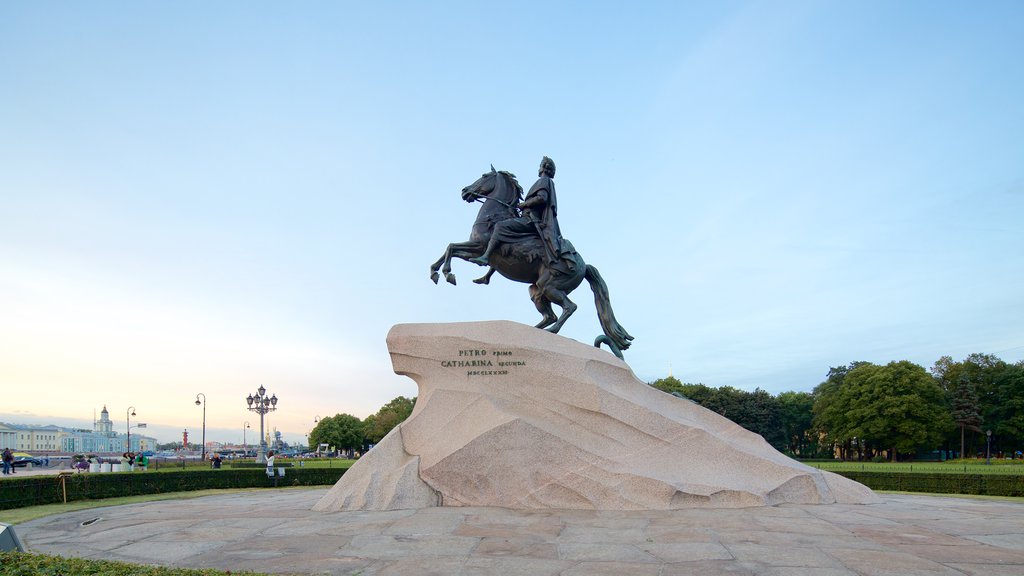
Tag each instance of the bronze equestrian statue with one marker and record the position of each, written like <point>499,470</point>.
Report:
<point>520,239</point>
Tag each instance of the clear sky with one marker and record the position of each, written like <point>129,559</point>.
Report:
<point>210,196</point>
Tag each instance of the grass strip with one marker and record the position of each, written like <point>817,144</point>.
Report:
<point>29,564</point>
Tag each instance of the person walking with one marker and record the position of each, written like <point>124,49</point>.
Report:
<point>270,463</point>
<point>8,458</point>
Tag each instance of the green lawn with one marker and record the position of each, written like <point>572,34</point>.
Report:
<point>1006,467</point>
<point>27,564</point>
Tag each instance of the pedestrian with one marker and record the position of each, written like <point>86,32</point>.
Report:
<point>270,463</point>
<point>8,458</point>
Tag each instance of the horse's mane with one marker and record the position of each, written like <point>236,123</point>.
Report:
<point>512,178</point>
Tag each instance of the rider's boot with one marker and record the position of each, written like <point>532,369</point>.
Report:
<point>484,259</point>
<point>486,278</point>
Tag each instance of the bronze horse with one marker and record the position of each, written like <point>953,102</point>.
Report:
<point>525,261</point>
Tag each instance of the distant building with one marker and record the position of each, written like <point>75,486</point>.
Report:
<point>30,438</point>
<point>101,439</point>
<point>8,436</point>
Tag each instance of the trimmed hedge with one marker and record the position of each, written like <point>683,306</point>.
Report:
<point>939,483</point>
<point>36,490</point>
<point>259,465</point>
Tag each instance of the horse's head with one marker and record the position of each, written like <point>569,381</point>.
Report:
<point>496,185</point>
<point>482,188</point>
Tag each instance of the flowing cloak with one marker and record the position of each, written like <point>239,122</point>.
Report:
<point>547,219</point>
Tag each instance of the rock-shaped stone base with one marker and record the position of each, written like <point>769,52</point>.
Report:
<point>516,417</point>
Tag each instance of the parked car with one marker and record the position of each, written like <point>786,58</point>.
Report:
<point>23,459</point>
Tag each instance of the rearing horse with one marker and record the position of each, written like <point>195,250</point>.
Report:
<point>526,261</point>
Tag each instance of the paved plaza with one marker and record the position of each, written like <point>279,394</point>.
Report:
<point>275,531</point>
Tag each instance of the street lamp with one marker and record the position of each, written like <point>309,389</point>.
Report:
<point>988,447</point>
<point>204,422</point>
<point>262,405</point>
<point>245,447</point>
<point>316,419</point>
<point>128,427</point>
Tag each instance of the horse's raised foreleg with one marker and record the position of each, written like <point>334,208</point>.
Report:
<point>464,250</point>
<point>436,265</point>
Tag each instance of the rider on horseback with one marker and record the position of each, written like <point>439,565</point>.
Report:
<point>540,218</point>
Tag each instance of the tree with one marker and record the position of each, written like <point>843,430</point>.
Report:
<point>897,406</point>
<point>965,409</point>
<point>796,415</point>
<point>757,411</point>
<point>669,384</point>
<point>343,431</point>
<point>831,417</point>
<point>390,415</point>
<point>1008,414</point>
<point>988,383</point>
<point>947,373</point>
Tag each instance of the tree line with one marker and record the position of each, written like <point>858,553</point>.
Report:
<point>892,411</point>
<point>347,432</point>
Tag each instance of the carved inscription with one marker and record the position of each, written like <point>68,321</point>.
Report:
<point>480,362</point>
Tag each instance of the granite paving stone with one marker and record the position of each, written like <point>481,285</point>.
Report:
<point>707,568</point>
<point>603,551</point>
<point>516,547</point>
<point>989,569</point>
<point>1001,540</point>
<point>783,556</point>
<point>612,569</point>
<point>276,531</point>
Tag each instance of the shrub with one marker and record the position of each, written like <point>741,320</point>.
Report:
<point>939,483</point>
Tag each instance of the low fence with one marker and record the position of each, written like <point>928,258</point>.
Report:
<point>36,490</point>
<point>916,467</point>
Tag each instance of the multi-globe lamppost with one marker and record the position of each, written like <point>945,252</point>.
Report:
<point>261,405</point>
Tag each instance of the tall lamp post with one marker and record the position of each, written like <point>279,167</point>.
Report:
<point>262,405</point>
<point>128,427</point>
<point>204,422</point>
<point>245,447</point>
<point>988,447</point>
<point>316,420</point>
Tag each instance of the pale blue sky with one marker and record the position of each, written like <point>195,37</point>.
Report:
<point>206,197</point>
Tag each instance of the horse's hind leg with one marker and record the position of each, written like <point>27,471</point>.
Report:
<point>562,299</point>
<point>543,306</point>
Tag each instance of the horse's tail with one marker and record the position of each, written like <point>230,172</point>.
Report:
<point>616,335</point>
